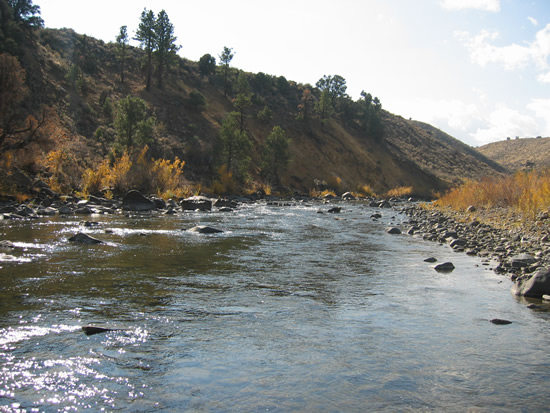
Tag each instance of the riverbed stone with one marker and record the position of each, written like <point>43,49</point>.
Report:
<point>536,286</point>
<point>196,203</point>
<point>203,229</point>
<point>500,321</point>
<point>6,245</point>
<point>522,260</point>
<point>135,201</point>
<point>82,238</point>
<point>393,230</point>
<point>444,267</point>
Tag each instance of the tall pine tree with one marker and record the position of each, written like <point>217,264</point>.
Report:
<point>147,37</point>
<point>122,41</point>
<point>166,47</point>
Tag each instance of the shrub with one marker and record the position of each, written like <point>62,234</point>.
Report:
<point>160,176</point>
<point>225,184</point>
<point>197,101</point>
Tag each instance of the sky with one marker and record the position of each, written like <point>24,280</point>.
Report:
<point>476,69</point>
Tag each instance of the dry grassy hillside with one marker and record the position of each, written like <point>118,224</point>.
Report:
<point>516,154</point>
<point>336,151</point>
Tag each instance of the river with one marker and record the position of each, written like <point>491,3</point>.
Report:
<point>287,310</point>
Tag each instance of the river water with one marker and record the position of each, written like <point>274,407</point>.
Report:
<point>286,310</point>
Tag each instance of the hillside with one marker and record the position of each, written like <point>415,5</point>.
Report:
<point>516,154</point>
<point>79,122</point>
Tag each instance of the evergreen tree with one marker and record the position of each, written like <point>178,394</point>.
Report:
<point>275,155</point>
<point>225,58</point>
<point>333,88</point>
<point>122,41</point>
<point>133,124</point>
<point>146,35</point>
<point>243,100</point>
<point>305,105</point>
<point>25,13</point>
<point>166,47</point>
<point>370,115</point>
<point>235,147</point>
<point>207,65</point>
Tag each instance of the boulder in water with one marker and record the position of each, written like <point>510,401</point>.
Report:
<point>444,267</point>
<point>194,203</point>
<point>82,238</point>
<point>135,201</point>
<point>536,286</point>
<point>202,229</point>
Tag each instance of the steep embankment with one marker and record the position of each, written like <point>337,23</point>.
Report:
<point>517,154</point>
<point>408,154</point>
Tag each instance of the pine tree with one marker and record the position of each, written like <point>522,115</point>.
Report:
<point>225,58</point>
<point>166,47</point>
<point>122,41</point>
<point>275,155</point>
<point>235,147</point>
<point>146,35</point>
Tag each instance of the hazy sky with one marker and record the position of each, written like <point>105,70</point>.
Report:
<point>477,69</point>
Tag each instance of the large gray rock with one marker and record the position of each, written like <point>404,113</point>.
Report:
<point>135,201</point>
<point>195,203</point>
<point>522,260</point>
<point>536,286</point>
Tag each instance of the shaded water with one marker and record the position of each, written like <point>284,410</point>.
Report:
<point>287,310</point>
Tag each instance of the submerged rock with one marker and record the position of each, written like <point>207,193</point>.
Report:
<point>431,259</point>
<point>335,210</point>
<point>393,230</point>
<point>500,321</point>
<point>91,330</point>
<point>82,238</point>
<point>202,229</point>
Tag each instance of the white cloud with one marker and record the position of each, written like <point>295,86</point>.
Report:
<point>445,114</point>
<point>533,21</point>
<point>486,5</point>
<point>544,77</point>
<point>513,56</point>
<point>541,107</point>
<point>506,122</point>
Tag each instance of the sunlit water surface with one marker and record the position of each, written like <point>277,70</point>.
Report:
<point>286,310</point>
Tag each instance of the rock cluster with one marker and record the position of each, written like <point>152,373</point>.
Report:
<point>518,253</point>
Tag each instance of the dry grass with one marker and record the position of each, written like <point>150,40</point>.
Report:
<point>400,191</point>
<point>527,193</point>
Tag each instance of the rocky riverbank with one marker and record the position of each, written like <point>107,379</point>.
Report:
<point>520,250</point>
